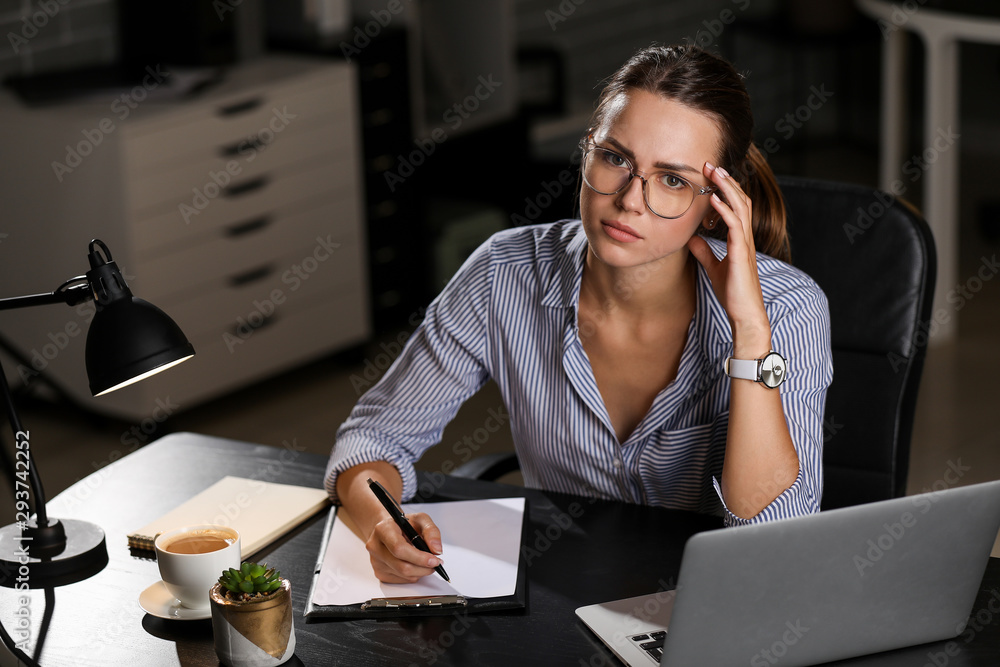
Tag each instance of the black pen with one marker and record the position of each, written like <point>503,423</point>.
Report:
<point>396,512</point>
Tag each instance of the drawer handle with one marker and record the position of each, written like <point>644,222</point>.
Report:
<point>251,276</point>
<point>249,226</point>
<point>250,145</point>
<point>240,107</point>
<point>245,187</point>
<point>246,326</point>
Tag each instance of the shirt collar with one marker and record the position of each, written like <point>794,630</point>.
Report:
<point>563,289</point>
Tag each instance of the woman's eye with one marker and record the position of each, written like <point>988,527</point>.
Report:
<point>672,182</point>
<point>614,159</point>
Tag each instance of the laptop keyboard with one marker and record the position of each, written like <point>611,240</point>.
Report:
<point>651,643</point>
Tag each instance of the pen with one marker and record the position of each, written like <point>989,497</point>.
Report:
<point>396,512</point>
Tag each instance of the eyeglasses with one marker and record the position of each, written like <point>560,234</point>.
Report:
<point>666,194</point>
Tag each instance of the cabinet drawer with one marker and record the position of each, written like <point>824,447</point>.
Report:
<point>283,191</point>
<point>221,365</point>
<point>204,127</point>
<point>219,173</point>
<point>255,256</point>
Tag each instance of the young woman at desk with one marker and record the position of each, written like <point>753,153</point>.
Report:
<point>633,349</point>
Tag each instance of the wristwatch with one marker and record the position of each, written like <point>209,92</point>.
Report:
<point>770,371</point>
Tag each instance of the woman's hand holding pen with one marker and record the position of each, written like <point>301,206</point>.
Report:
<point>394,559</point>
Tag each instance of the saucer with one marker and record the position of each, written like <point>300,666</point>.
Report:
<point>157,601</point>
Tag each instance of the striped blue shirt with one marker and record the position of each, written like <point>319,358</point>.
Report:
<point>510,314</point>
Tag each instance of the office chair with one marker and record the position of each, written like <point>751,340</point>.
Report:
<point>875,259</point>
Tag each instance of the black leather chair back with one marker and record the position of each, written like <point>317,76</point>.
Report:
<point>875,259</point>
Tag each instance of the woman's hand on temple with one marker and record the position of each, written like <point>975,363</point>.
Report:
<point>734,278</point>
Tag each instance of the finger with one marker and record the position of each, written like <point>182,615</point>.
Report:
<point>390,545</point>
<point>732,201</point>
<point>703,253</point>
<point>428,530</point>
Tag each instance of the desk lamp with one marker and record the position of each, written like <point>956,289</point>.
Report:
<point>129,339</point>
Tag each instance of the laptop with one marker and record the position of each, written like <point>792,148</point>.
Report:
<point>814,589</point>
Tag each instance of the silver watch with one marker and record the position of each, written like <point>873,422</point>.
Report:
<point>770,370</point>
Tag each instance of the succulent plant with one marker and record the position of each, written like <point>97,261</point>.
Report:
<point>250,580</point>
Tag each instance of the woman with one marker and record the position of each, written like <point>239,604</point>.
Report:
<point>610,338</point>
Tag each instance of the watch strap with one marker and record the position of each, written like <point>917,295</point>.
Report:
<point>743,369</point>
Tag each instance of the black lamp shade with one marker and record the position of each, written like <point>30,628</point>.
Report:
<point>130,339</point>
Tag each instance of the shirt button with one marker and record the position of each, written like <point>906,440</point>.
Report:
<point>618,463</point>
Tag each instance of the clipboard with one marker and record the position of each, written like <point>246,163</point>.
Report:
<point>408,606</point>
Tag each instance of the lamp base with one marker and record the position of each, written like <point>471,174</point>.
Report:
<point>84,555</point>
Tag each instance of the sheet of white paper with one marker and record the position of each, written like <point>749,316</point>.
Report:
<point>481,542</point>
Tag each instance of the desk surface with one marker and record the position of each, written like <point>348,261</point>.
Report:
<point>578,551</point>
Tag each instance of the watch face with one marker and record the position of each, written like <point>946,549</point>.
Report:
<point>773,369</point>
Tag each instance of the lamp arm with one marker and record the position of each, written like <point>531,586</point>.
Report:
<point>71,292</point>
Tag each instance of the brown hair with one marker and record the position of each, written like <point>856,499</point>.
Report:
<point>703,81</point>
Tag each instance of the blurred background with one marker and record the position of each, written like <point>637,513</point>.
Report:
<point>293,181</point>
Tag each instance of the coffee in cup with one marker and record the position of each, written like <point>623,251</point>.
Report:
<point>192,558</point>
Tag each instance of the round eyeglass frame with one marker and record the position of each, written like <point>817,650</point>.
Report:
<point>696,191</point>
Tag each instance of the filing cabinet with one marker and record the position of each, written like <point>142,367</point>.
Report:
<point>238,210</point>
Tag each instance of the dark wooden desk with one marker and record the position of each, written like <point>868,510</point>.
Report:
<point>579,552</point>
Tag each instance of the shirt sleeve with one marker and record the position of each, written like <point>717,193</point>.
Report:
<point>439,368</point>
<point>800,332</point>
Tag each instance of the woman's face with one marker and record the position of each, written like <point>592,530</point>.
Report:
<point>656,134</point>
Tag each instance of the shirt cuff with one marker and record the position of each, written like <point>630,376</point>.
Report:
<point>793,501</point>
<point>358,448</point>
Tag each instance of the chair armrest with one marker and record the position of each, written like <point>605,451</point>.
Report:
<point>488,467</point>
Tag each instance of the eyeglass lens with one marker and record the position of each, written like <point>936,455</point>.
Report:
<point>666,194</point>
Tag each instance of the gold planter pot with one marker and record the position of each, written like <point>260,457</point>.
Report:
<point>255,633</point>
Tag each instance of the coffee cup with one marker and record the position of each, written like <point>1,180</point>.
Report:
<point>191,560</point>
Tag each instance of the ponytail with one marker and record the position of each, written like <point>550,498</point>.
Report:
<point>770,233</point>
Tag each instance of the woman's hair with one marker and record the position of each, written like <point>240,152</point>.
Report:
<point>705,82</point>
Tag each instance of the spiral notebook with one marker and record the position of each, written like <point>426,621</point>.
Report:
<point>261,512</point>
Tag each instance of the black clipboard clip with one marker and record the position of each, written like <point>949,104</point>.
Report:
<point>435,601</point>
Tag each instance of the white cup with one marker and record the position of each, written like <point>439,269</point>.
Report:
<point>189,576</point>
